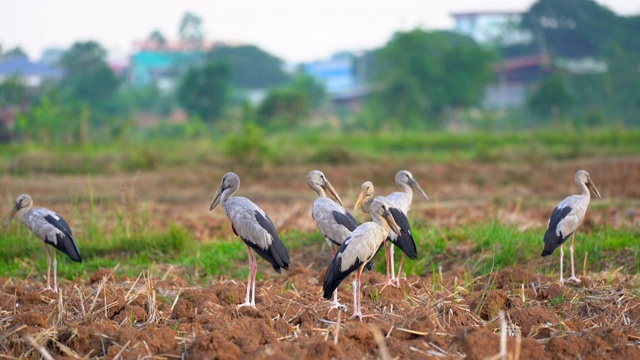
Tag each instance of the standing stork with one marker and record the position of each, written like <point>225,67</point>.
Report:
<point>51,229</point>
<point>402,200</point>
<point>254,227</point>
<point>334,222</point>
<point>402,239</point>
<point>357,250</point>
<point>566,218</point>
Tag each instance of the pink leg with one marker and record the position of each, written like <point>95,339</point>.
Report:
<point>246,299</point>
<point>400,269</point>
<point>55,271</point>
<point>48,287</point>
<point>253,283</point>
<point>561,260</point>
<point>335,304</point>
<point>391,259</point>
<point>388,258</point>
<point>573,269</point>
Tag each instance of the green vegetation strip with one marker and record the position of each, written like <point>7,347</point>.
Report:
<point>479,248</point>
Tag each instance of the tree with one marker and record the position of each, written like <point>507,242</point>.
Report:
<point>88,78</point>
<point>252,67</point>
<point>191,29</point>
<point>158,38</point>
<point>16,51</point>
<point>571,28</point>
<point>205,91</point>
<point>420,74</point>
<point>551,98</point>
<point>313,90</point>
<point>283,107</point>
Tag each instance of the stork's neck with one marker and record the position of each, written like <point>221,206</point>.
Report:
<point>585,190</point>
<point>23,214</point>
<point>366,203</point>
<point>320,191</point>
<point>406,189</point>
<point>226,195</point>
<point>378,219</point>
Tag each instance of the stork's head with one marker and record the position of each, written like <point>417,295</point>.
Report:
<point>366,193</point>
<point>231,182</point>
<point>582,177</point>
<point>321,185</point>
<point>405,177</point>
<point>23,201</point>
<point>380,210</point>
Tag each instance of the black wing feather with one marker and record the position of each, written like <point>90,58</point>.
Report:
<point>405,239</point>
<point>333,277</point>
<point>64,242</point>
<point>276,254</point>
<point>551,240</point>
<point>345,219</point>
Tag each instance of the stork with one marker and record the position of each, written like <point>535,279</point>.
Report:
<point>254,227</point>
<point>402,200</point>
<point>402,239</point>
<point>357,250</point>
<point>566,218</point>
<point>51,228</point>
<point>334,222</point>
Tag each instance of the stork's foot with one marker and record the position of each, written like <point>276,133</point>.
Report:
<point>574,280</point>
<point>337,305</point>
<point>392,282</point>
<point>360,316</point>
<point>247,304</point>
<point>48,288</point>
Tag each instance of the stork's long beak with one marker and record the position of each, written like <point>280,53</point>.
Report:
<point>332,192</point>
<point>593,190</point>
<point>359,202</point>
<point>392,223</point>
<point>414,184</point>
<point>11,214</point>
<point>216,199</point>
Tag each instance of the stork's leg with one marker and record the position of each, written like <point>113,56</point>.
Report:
<point>253,283</point>
<point>48,287</point>
<point>400,268</point>
<point>246,299</point>
<point>561,260</point>
<point>391,259</point>
<point>573,270</point>
<point>387,259</point>
<point>356,295</point>
<point>55,271</point>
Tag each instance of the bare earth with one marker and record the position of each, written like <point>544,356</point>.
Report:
<point>446,315</point>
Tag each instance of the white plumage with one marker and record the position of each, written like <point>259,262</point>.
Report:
<point>406,182</point>
<point>254,227</point>
<point>357,250</point>
<point>334,222</point>
<point>51,228</point>
<point>565,219</point>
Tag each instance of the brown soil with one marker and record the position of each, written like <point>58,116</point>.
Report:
<point>108,315</point>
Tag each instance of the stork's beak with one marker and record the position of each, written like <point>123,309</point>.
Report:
<point>359,202</point>
<point>593,190</point>
<point>392,223</point>
<point>332,192</point>
<point>11,214</point>
<point>216,199</point>
<point>414,184</point>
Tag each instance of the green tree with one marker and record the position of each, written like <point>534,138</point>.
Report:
<point>312,88</point>
<point>88,78</point>
<point>157,37</point>
<point>420,74</point>
<point>205,91</point>
<point>191,29</point>
<point>12,91</point>
<point>16,51</point>
<point>283,107</point>
<point>551,99</point>
<point>252,67</point>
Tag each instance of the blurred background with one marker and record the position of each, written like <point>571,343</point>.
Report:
<point>81,72</point>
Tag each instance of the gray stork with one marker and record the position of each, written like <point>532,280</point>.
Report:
<point>402,239</point>
<point>402,200</point>
<point>565,219</point>
<point>254,227</point>
<point>334,222</point>
<point>357,250</point>
<point>51,229</point>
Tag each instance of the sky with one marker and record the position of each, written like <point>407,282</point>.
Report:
<point>295,31</point>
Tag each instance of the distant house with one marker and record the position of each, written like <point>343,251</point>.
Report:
<point>513,79</point>
<point>163,64</point>
<point>33,74</point>
<point>344,84</point>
